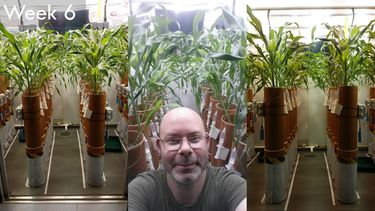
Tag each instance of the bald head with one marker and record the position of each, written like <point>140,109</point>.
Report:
<point>181,115</point>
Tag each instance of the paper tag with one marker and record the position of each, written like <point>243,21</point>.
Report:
<point>214,132</point>
<point>333,107</point>
<point>203,99</point>
<point>87,113</point>
<point>202,107</point>
<point>221,153</point>
<point>45,106</point>
<point>86,102</point>
<point>290,107</point>
<point>338,109</point>
<point>222,136</point>
<point>78,89</point>
<point>153,130</point>
<point>285,104</point>
<point>41,112</point>
<point>326,98</point>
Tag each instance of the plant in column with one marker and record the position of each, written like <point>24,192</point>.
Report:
<point>28,58</point>
<point>369,74</point>
<point>118,52</point>
<point>4,75</point>
<point>28,62</point>
<point>279,61</point>
<point>225,69</point>
<point>369,56</point>
<point>344,52</point>
<point>148,79</point>
<point>93,61</point>
<point>276,58</point>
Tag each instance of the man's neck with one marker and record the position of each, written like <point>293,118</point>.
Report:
<point>187,194</point>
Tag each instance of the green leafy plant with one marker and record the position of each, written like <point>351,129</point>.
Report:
<point>93,61</point>
<point>369,56</point>
<point>118,50</point>
<point>28,58</point>
<point>149,79</point>
<point>278,59</point>
<point>345,58</point>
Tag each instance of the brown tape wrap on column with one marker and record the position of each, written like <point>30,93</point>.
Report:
<point>136,154</point>
<point>220,113</point>
<point>229,136</point>
<point>96,125</point>
<point>32,124</point>
<point>213,102</point>
<point>274,122</point>
<point>347,123</point>
<point>211,143</point>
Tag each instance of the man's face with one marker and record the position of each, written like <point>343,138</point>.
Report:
<point>187,163</point>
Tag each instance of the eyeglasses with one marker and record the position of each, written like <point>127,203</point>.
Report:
<point>175,143</point>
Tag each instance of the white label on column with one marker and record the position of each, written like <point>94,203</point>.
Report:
<point>87,113</point>
<point>221,153</point>
<point>153,129</point>
<point>326,99</point>
<point>86,102</point>
<point>338,109</point>
<point>334,106</point>
<point>285,104</point>
<point>214,132</point>
<point>222,136</point>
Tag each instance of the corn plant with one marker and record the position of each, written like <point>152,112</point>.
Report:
<point>29,58</point>
<point>369,57</point>
<point>149,78</point>
<point>278,59</point>
<point>92,61</point>
<point>118,50</point>
<point>344,54</point>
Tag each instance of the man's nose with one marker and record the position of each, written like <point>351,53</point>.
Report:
<point>185,148</point>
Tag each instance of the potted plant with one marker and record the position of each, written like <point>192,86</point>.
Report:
<point>92,61</point>
<point>148,82</point>
<point>369,74</point>
<point>276,59</point>
<point>279,61</point>
<point>118,49</point>
<point>27,63</point>
<point>343,64</point>
<point>345,60</point>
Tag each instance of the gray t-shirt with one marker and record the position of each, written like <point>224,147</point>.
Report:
<point>223,190</point>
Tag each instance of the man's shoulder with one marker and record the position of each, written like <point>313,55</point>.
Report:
<point>151,177</point>
<point>221,172</point>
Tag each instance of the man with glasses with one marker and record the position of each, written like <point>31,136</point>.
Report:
<point>186,181</point>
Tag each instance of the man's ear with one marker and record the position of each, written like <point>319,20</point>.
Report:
<point>158,145</point>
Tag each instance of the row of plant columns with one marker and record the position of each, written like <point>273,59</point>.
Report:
<point>280,114</point>
<point>36,116</point>
<point>342,150</point>
<point>219,123</point>
<point>7,131</point>
<point>92,114</point>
